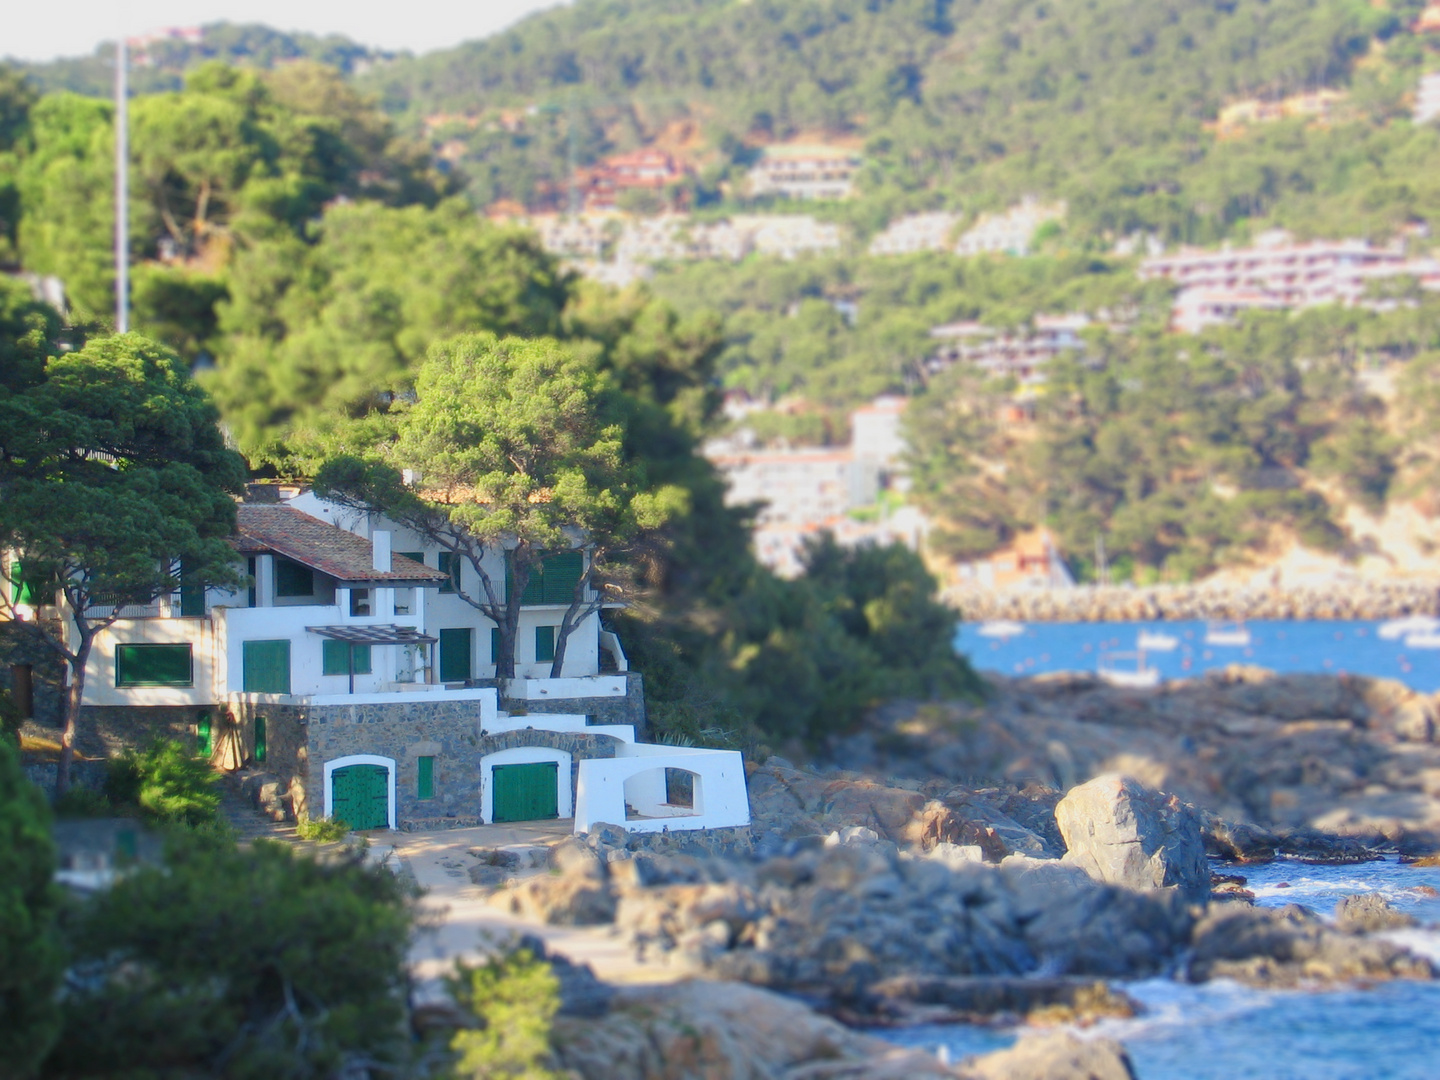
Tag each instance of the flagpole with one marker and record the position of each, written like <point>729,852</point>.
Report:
<point>122,189</point>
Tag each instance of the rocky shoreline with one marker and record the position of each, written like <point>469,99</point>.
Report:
<point>1094,603</point>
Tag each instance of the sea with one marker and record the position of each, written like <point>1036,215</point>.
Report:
<point>1222,1030</point>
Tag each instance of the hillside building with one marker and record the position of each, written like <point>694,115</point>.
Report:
<point>1015,354</point>
<point>804,171</point>
<point>1427,98</point>
<point>916,232</point>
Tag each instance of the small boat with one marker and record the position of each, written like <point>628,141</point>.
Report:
<point>1423,639</point>
<point>1155,641</point>
<point>1396,629</point>
<point>1115,670</point>
<point>1234,635</point>
<point>1001,628</point>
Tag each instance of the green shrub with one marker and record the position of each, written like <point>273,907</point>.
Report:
<point>83,802</point>
<point>244,963</point>
<point>514,997</point>
<point>166,782</point>
<point>9,718</point>
<point>322,830</point>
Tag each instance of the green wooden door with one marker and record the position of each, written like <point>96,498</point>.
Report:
<point>526,792</point>
<point>360,796</point>
<point>265,667</point>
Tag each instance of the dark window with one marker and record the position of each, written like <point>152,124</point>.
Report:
<point>154,665</point>
<point>544,643</point>
<point>553,579</point>
<point>266,667</point>
<point>450,566</point>
<point>292,579</point>
<point>418,556</point>
<point>335,658</point>
<point>455,654</point>
<point>425,778</point>
<point>250,591</point>
<point>359,602</point>
<point>494,644</point>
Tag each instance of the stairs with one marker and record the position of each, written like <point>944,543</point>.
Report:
<point>248,820</point>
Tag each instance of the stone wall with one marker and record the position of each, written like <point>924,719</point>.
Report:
<point>19,644</point>
<point>106,731</point>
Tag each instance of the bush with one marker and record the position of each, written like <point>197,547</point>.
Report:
<point>82,802</point>
<point>242,963</point>
<point>166,782</point>
<point>31,959</point>
<point>514,998</point>
<point>322,830</point>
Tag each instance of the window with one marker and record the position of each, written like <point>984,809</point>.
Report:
<point>544,643</point>
<point>154,665</point>
<point>455,651</point>
<point>450,565</point>
<point>553,579</point>
<point>250,589</point>
<point>266,667</point>
<point>425,778</point>
<point>359,602</point>
<point>335,658</point>
<point>292,579</point>
<point>418,556</point>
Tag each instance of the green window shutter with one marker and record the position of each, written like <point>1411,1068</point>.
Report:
<point>418,556</point>
<point>266,667</point>
<point>292,579</point>
<point>425,778</point>
<point>455,654</point>
<point>203,744</point>
<point>260,739</point>
<point>192,593</point>
<point>335,658</point>
<point>450,566</point>
<point>25,589</point>
<point>154,665</point>
<point>494,644</point>
<point>562,573</point>
<point>544,643</point>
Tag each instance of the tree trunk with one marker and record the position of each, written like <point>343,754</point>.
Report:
<point>517,578</point>
<point>74,696</point>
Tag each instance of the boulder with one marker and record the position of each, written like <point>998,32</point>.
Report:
<point>1284,947</point>
<point>972,999</point>
<point>576,899</point>
<point>1122,833</point>
<point>1241,842</point>
<point>1368,913</point>
<point>1058,1055</point>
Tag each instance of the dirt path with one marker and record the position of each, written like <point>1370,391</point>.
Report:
<point>462,925</point>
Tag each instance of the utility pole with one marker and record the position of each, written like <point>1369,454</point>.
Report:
<point>122,190</point>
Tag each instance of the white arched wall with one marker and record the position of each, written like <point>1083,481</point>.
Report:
<point>360,759</point>
<point>720,788</point>
<point>526,755</point>
<point>646,792</point>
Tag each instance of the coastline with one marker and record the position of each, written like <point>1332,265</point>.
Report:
<point>1117,603</point>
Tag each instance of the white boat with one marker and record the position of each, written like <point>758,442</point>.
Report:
<point>1423,639</point>
<point>1232,635</point>
<point>1001,628</point>
<point>1155,641</point>
<point>1396,629</point>
<point>1115,670</point>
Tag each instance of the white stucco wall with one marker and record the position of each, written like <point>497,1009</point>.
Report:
<point>721,800</point>
<point>542,689</point>
<point>100,688</point>
<point>525,755</point>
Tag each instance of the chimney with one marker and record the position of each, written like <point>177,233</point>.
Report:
<point>380,544</point>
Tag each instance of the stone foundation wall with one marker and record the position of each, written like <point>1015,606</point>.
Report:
<point>19,644</point>
<point>106,731</point>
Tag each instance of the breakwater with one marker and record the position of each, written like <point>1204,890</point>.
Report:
<point>1113,603</point>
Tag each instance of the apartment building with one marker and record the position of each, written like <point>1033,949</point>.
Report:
<point>916,232</point>
<point>803,171</point>
<point>1427,98</point>
<point>999,353</point>
<point>1009,233</point>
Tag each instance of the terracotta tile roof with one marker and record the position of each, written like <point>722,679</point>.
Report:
<point>281,530</point>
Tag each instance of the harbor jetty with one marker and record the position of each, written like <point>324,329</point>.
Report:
<point>1386,599</point>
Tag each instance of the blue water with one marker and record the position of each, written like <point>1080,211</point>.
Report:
<point>1224,1031</point>
<point>1321,646</point>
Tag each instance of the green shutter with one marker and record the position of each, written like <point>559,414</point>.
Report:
<point>544,643</point>
<point>552,579</point>
<point>425,778</point>
<point>192,593</point>
<point>494,644</point>
<point>455,654</point>
<point>25,589</point>
<point>266,667</point>
<point>260,739</point>
<point>154,665</point>
<point>450,566</point>
<point>360,796</point>
<point>418,556</point>
<point>203,744</point>
<point>292,579</point>
<point>335,658</point>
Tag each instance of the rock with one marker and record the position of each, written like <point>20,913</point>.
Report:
<point>1368,913</point>
<point>1057,1055</point>
<point>1122,833</point>
<point>576,899</point>
<point>1239,841</point>
<point>726,1031</point>
<point>987,998</point>
<point>572,856</point>
<point>956,854</point>
<point>1270,947</point>
<point>603,835</point>
<point>1314,846</point>
<point>887,810</point>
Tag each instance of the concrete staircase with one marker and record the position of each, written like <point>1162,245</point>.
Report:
<point>248,820</point>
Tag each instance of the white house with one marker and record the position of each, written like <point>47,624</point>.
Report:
<point>352,669</point>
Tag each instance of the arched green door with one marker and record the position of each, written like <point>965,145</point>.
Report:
<point>360,796</point>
